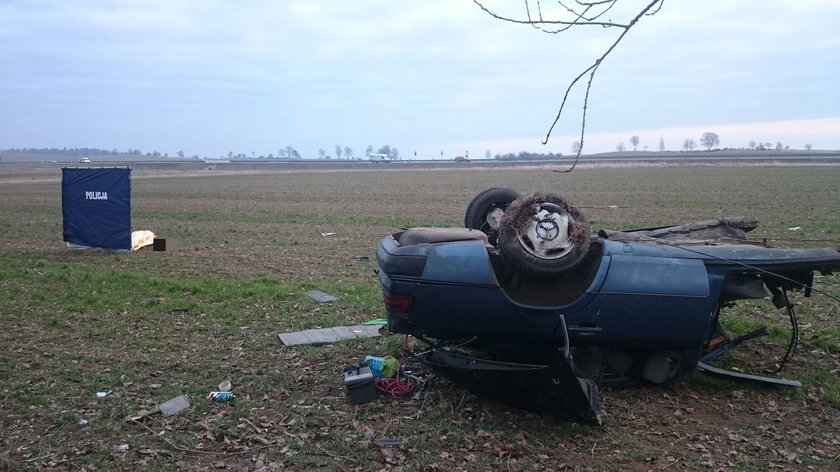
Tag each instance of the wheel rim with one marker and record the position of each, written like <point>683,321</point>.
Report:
<point>493,218</point>
<point>547,234</point>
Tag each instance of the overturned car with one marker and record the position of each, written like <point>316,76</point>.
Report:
<point>527,305</point>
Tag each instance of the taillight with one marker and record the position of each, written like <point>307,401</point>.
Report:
<point>398,303</point>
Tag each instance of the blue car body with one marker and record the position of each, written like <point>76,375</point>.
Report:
<point>639,299</point>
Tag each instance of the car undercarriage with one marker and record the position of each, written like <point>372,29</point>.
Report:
<point>526,298</point>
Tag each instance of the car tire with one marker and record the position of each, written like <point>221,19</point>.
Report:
<point>487,208</point>
<point>542,235</point>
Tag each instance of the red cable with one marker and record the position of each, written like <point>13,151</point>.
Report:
<point>396,387</point>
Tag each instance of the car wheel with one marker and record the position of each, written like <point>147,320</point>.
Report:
<point>486,210</point>
<point>541,234</point>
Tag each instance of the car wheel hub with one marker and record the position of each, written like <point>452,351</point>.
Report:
<point>547,236</point>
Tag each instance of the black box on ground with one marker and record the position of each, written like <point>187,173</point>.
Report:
<point>161,244</point>
<point>358,380</point>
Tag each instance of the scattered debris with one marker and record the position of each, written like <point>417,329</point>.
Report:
<point>143,413</point>
<point>388,442</point>
<point>364,259</point>
<point>83,422</point>
<point>141,239</point>
<point>103,394</point>
<point>221,397</point>
<point>358,380</point>
<point>163,244</point>
<point>321,297</point>
<point>327,234</point>
<point>225,386</point>
<point>175,405</point>
<point>377,322</point>
<point>122,447</point>
<point>328,335</point>
<point>795,228</point>
<point>180,310</point>
<point>248,422</point>
<point>382,367</point>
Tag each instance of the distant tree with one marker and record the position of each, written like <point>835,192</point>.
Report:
<point>576,147</point>
<point>768,146</point>
<point>487,154</point>
<point>368,151</point>
<point>661,144</point>
<point>282,153</point>
<point>393,153</point>
<point>230,154</point>
<point>338,151</point>
<point>689,144</point>
<point>620,147</point>
<point>293,152</point>
<point>348,153</point>
<point>181,154</point>
<point>779,146</point>
<point>710,140</point>
<point>751,145</point>
<point>808,147</point>
<point>321,153</point>
<point>634,140</point>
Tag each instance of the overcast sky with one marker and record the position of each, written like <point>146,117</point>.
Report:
<point>208,77</point>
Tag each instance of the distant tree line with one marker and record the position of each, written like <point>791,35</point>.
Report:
<point>67,151</point>
<point>389,151</point>
<point>523,155</point>
<point>769,146</point>
<point>709,140</point>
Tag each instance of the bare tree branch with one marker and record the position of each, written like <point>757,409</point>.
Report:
<point>585,13</point>
<point>541,21</point>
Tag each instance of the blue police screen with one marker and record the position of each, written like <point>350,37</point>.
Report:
<point>96,204</point>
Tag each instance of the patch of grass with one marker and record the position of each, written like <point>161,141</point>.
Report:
<point>737,325</point>
<point>66,417</point>
<point>639,455</point>
<point>32,399</point>
<point>77,289</point>
<point>827,383</point>
<point>828,339</point>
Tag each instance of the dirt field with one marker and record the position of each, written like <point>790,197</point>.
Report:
<point>147,326</point>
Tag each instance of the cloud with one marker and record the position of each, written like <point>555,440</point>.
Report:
<point>258,75</point>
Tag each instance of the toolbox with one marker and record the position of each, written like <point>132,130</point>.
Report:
<point>358,380</point>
